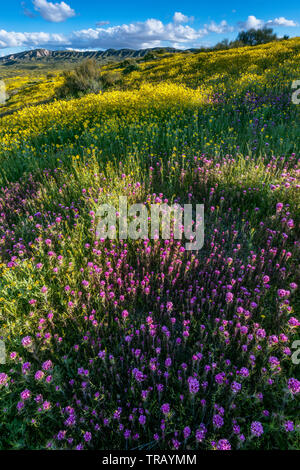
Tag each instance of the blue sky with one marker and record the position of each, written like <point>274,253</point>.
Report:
<point>86,24</point>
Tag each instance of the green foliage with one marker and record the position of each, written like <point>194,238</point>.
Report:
<point>150,56</point>
<point>254,37</point>
<point>251,37</point>
<point>85,78</point>
<point>130,65</point>
<point>110,79</point>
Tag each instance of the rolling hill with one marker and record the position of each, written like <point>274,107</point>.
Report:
<point>46,55</point>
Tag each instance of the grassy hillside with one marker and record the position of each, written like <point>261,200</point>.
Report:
<point>42,60</point>
<point>234,68</point>
<point>28,90</point>
<point>259,67</point>
<point>144,344</point>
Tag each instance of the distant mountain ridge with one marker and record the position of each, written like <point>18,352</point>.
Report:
<point>46,55</point>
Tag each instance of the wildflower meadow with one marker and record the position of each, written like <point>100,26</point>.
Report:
<point>140,343</point>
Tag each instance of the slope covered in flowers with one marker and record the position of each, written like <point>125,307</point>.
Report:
<point>142,344</point>
<point>28,90</point>
<point>228,70</point>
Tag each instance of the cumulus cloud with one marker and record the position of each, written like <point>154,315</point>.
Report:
<point>282,22</point>
<point>220,28</point>
<point>255,23</point>
<point>54,12</point>
<point>15,39</point>
<point>149,33</point>
<point>136,35</point>
<point>252,22</point>
<point>180,17</point>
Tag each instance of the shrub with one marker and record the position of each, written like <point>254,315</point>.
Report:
<point>110,79</point>
<point>150,56</point>
<point>85,78</point>
<point>131,67</point>
<point>253,37</point>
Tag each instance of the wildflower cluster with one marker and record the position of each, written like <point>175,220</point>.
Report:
<point>141,343</point>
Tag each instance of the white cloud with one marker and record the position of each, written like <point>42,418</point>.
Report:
<point>15,39</point>
<point>282,22</point>
<point>80,50</point>
<point>137,35</point>
<point>220,28</point>
<point>180,17</point>
<point>54,12</point>
<point>255,23</point>
<point>150,33</point>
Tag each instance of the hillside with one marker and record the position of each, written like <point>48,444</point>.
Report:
<point>237,66</point>
<point>234,69</point>
<point>142,342</point>
<point>47,57</point>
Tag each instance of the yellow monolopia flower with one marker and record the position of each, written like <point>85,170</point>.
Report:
<point>161,87</point>
<point>34,121</point>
